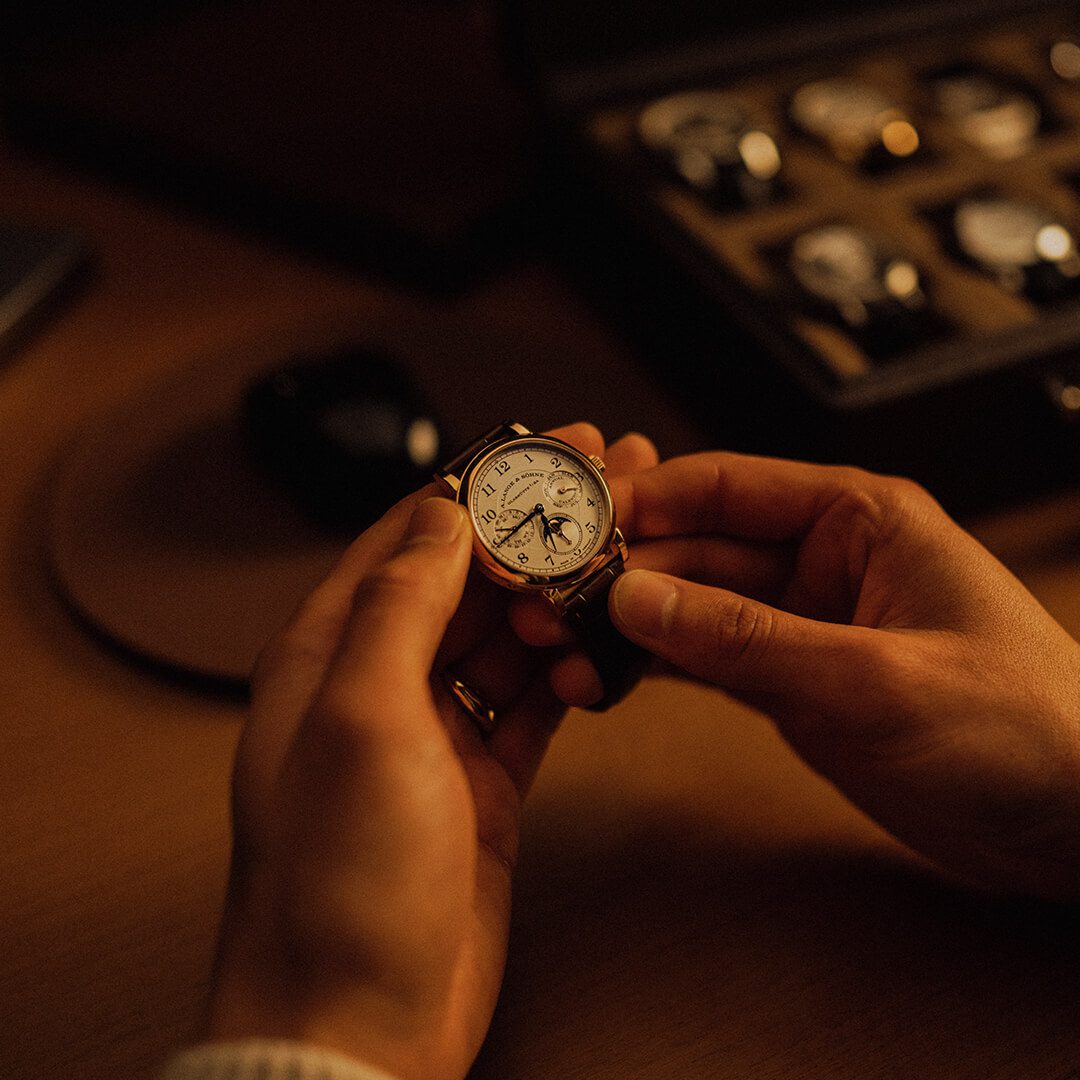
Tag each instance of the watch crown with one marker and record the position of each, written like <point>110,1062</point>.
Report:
<point>598,462</point>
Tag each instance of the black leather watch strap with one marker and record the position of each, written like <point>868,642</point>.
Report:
<point>619,662</point>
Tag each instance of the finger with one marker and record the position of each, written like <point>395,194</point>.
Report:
<point>298,654</point>
<point>760,570</point>
<point>743,645</point>
<point>499,667</point>
<point>537,623</point>
<point>738,495</point>
<point>586,437</point>
<point>524,733</point>
<point>379,675</point>
<point>575,680</point>
<point>631,453</point>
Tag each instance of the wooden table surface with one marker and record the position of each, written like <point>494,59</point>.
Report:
<point>692,901</point>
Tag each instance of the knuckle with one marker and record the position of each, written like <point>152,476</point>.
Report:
<point>741,628</point>
<point>878,504</point>
<point>398,580</point>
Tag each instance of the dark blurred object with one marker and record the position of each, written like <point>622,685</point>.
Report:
<point>382,133</point>
<point>348,434</point>
<point>940,374</point>
<point>40,265</point>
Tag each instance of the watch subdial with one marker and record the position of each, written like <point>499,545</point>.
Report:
<point>562,489</point>
<point>510,532</point>
<point>561,533</point>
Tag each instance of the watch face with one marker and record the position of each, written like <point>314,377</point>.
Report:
<point>539,508</point>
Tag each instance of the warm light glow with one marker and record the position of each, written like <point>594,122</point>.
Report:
<point>902,280</point>
<point>900,138</point>
<point>1053,243</point>
<point>1065,59</point>
<point>760,155</point>
<point>1070,398</point>
<point>422,442</point>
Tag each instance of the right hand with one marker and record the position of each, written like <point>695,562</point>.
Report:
<point>896,655</point>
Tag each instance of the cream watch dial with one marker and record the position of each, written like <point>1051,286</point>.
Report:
<point>539,507</point>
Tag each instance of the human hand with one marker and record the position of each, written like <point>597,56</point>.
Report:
<point>375,827</point>
<point>896,655</point>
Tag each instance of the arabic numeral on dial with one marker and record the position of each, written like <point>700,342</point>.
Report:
<point>549,560</point>
<point>522,557</point>
<point>591,502</point>
<point>590,526</point>
<point>490,515</point>
<point>488,490</point>
<point>556,462</point>
<point>502,467</point>
<point>528,458</point>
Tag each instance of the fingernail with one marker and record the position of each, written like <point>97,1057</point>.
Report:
<point>435,521</point>
<point>644,603</point>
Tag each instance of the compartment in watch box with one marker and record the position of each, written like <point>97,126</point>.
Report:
<point>860,239</point>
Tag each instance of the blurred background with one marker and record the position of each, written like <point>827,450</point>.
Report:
<point>822,230</point>
<point>846,236</point>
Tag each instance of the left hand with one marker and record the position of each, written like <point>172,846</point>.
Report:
<point>375,828</point>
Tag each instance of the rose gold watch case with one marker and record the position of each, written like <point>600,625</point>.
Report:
<point>611,545</point>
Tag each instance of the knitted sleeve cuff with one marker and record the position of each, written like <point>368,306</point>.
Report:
<point>266,1059</point>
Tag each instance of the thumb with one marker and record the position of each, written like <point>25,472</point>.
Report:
<point>400,612</point>
<point>740,644</point>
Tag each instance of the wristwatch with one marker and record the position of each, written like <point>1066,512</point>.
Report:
<point>543,521</point>
<point>859,123</point>
<point>1024,247</point>
<point>855,274</point>
<point>1000,118</point>
<point>713,143</point>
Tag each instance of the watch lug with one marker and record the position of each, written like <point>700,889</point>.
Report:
<point>619,544</point>
<point>451,482</point>
<point>521,429</point>
<point>558,599</point>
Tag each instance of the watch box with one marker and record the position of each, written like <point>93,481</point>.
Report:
<point>843,234</point>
